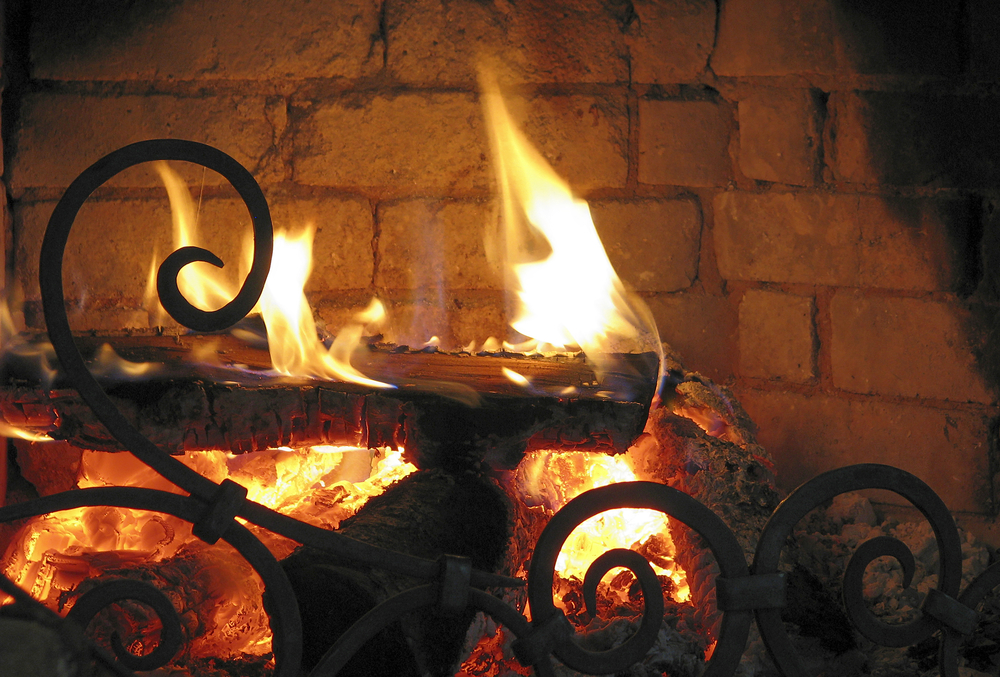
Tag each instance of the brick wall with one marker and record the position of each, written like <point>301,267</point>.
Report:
<point>805,191</point>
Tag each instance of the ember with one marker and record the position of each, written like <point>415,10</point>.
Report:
<point>51,556</point>
<point>324,486</point>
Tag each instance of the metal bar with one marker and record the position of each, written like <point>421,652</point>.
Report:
<point>744,592</point>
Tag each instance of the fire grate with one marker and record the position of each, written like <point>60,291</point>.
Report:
<point>450,585</point>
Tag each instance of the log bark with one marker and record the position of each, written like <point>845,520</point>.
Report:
<point>428,513</point>
<point>466,415</point>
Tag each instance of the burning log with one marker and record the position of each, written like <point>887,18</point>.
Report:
<point>428,513</point>
<point>704,444</point>
<point>449,410</point>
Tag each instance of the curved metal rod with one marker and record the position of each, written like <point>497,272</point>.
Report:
<point>359,551</point>
<point>634,562</point>
<point>190,509</point>
<point>370,625</point>
<point>823,488</point>
<point>512,620</point>
<point>323,539</point>
<point>53,299</point>
<point>971,597</point>
<point>50,280</point>
<point>404,602</point>
<point>279,598</point>
<point>735,626</point>
<point>854,582</point>
<point>29,607</point>
<point>109,592</point>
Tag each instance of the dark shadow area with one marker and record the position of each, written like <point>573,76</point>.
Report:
<point>919,37</point>
<point>63,29</point>
<point>16,71</point>
<point>936,131</point>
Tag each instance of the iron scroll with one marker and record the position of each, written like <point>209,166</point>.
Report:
<point>745,592</point>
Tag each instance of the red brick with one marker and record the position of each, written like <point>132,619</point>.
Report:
<point>810,434</point>
<point>785,37</point>
<point>684,143</point>
<point>432,245</point>
<point>409,140</point>
<point>63,134</point>
<point>476,317</point>
<point>441,42</point>
<point>915,244</point>
<point>653,244</point>
<point>903,346</point>
<point>777,336</point>
<point>787,237</point>
<point>670,41</point>
<point>843,240</point>
<point>912,140</point>
<point>193,40</point>
<point>775,37</point>
<point>702,329</point>
<point>780,136</point>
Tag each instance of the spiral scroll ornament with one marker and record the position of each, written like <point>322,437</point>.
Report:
<point>451,585</point>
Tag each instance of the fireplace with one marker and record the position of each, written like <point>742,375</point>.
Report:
<point>813,179</point>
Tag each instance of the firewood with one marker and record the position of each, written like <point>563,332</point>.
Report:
<point>428,513</point>
<point>454,411</point>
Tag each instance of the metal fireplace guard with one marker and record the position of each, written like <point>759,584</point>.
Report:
<point>451,585</point>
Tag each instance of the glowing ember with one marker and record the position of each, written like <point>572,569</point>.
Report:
<point>53,555</point>
<point>553,478</point>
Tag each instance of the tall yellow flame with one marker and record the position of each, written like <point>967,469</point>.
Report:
<point>195,280</point>
<point>567,291</point>
<point>293,341</point>
<point>291,329</point>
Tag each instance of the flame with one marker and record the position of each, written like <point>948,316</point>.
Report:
<point>50,556</point>
<point>8,430</point>
<point>15,346</point>
<point>293,341</point>
<point>195,281</point>
<point>554,478</point>
<point>291,330</point>
<point>567,292</point>
<point>516,377</point>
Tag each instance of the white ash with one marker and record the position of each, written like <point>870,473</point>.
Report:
<point>827,538</point>
<point>823,543</point>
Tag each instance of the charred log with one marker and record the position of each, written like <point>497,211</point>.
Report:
<point>469,415</point>
<point>427,514</point>
<point>702,442</point>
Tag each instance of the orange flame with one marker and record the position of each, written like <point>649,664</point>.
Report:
<point>554,478</point>
<point>51,555</point>
<point>293,342</point>
<point>567,292</point>
<point>291,330</point>
<point>195,281</point>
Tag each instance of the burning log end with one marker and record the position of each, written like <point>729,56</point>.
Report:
<point>182,415</point>
<point>428,513</point>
